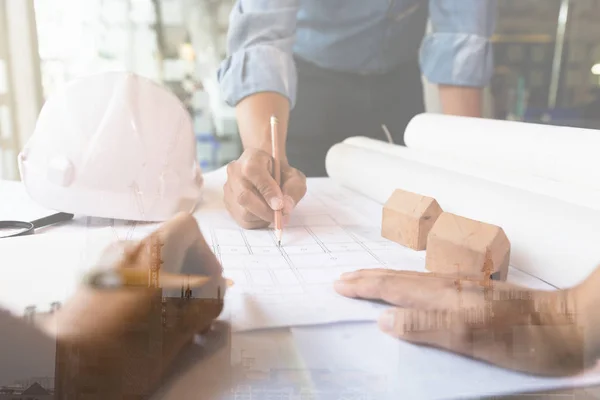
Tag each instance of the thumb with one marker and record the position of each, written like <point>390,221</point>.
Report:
<point>438,328</point>
<point>294,189</point>
<point>264,183</point>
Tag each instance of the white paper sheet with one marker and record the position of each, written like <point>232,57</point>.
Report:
<point>557,153</point>
<point>333,230</point>
<point>550,239</point>
<point>349,360</point>
<point>40,269</point>
<point>360,357</point>
<point>342,351</point>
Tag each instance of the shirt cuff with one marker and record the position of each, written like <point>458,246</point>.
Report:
<point>261,68</point>
<point>457,59</point>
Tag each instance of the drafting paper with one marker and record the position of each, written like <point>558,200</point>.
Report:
<point>377,366</point>
<point>556,153</point>
<point>40,269</point>
<point>333,230</point>
<point>551,239</point>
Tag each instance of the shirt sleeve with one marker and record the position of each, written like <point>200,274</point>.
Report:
<point>260,50</point>
<point>458,51</point>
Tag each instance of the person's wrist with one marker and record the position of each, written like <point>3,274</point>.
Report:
<point>266,147</point>
<point>258,143</point>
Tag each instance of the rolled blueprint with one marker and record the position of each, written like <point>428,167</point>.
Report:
<point>576,194</point>
<point>552,239</point>
<point>562,154</point>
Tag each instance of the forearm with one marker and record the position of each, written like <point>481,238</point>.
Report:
<point>548,334</point>
<point>457,53</point>
<point>461,101</point>
<point>258,77</point>
<point>253,116</point>
<point>563,332</point>
<point>588,302</point>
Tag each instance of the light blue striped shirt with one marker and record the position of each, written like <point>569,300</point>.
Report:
<point>362,36</point>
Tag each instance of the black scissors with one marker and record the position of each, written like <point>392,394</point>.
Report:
<point>21,228</point>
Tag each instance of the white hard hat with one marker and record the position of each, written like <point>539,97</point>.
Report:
<point>113,145</point>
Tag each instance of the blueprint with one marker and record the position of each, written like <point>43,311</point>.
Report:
<point>332,231</point>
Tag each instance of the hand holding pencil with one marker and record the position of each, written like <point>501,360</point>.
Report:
<point>117,294</point>
<point>262,190</point>
<point>122,306</point>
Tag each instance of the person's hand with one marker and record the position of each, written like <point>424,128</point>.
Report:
<point>252,195</point>
<point>532,331</point>
<point>106,326</point>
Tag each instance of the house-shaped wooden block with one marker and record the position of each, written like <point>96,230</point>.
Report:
<point>465,247</point>
<point>408,218</point>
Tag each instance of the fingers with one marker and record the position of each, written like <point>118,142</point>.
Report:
<point>242,216</point>
<point>201,260</point>
<point>98,317</point>
<point>252,194</point>
<point>550,350</point>
<point>246,198</point>
<point>399,322</point>
<point>293,188</point>
<point>409,289</point>
<point>95,317</point>
<point>176,237</point>
<point>183,248</point>
<point>396,288</point>
<point>462,317</point>
<point>437,328</point>
<point>256,167</point>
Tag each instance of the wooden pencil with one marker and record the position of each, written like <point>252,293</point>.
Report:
<point>276,175</point>
<point>137,277</point>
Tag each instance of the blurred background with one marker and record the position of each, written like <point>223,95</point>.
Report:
<point>547,62</point>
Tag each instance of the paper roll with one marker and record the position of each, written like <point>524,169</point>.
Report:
<point>551,239</point>
<point>576,194</point>
<point>563,154</point>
